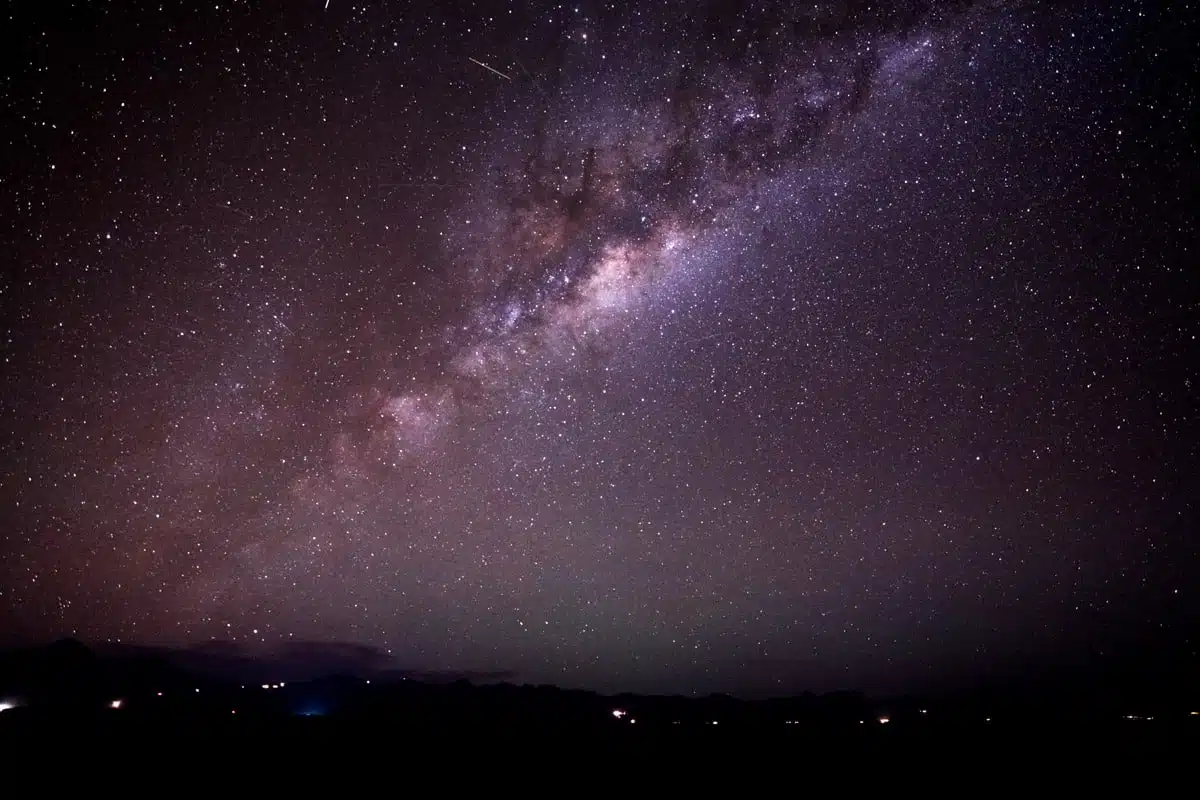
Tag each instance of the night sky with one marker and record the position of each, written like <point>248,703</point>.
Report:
<point>661,346</point>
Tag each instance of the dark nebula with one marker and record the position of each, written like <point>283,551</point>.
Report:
<point>738,346</point>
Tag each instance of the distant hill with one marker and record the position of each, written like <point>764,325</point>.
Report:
<point>225,682</point>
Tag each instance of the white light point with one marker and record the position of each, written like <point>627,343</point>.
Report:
<point>884,720</point>
<point>115,704</point>
<point>7,705</point>
<point>618,713</point>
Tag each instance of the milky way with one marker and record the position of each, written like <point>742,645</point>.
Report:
<point>754,347</point>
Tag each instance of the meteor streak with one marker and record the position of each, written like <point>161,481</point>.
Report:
<point>491,69</point>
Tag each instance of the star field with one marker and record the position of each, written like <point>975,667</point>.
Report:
<point>673,347</point>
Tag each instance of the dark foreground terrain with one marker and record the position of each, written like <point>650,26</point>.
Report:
<point>360,757</point>
<point>145,713</point>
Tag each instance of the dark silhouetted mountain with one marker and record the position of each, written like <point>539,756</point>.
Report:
<point>63,673</point>
<point>159,686</point>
